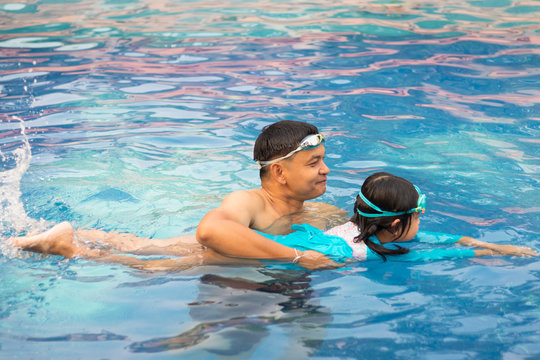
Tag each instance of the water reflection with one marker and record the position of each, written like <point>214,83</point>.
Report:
<point>235,314</point>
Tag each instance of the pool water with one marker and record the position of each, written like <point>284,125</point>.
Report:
<point>140,116</point>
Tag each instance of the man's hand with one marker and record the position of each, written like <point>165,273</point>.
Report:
<point>313,260</point>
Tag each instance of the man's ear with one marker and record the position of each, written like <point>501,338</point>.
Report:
<point>277,171</point>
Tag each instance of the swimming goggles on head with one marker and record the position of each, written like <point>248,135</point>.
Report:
<point>420,206</point>
<point>309,142</point>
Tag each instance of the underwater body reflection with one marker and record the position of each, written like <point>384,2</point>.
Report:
<point>232,326</point>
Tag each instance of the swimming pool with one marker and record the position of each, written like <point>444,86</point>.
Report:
<point>140,116</point>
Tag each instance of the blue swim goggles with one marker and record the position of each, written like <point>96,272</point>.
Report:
<point>309,142</point>
<point>420,206</point>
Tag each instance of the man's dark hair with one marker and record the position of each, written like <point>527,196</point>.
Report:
<point>279,139</point>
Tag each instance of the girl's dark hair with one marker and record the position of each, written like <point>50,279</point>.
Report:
<point>389,193</point>
<point>279,139</point>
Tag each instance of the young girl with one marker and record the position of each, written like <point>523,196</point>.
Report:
<point>387,210</point>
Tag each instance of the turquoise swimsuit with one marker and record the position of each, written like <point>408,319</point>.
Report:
<point>341,248</point>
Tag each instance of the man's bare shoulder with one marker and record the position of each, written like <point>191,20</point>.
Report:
<point>250,206</point>
<point>253,196</point>
<point>245,201</point>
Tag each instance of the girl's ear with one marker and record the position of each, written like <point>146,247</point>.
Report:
<point>394,227</point>
<point>277,172</point>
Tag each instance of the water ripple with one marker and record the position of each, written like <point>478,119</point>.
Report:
<point>140,116</point>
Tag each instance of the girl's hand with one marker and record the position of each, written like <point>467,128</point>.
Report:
<point>513,250</point>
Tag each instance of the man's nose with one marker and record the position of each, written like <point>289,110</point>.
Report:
<point>324,169</point>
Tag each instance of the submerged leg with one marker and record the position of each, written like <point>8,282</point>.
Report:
<point>129,243</point>
<point>114,247</point>
<point>63,240</point>
<point>198,257</point>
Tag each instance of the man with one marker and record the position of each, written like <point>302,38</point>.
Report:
<point>291,156</point>
<point>292,170</point>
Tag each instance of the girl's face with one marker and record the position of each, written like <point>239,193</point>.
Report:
<point>413,229</point>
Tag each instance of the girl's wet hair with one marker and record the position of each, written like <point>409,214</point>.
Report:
<point>279,139</point>
<point>389,193</point>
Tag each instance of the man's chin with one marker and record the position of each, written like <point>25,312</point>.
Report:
<point>319,191</point>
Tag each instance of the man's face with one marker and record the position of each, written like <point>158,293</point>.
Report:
<point>306,173</point>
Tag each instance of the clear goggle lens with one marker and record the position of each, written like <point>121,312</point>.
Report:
<point>309,142</point>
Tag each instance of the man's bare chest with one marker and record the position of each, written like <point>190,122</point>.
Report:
<point>320,215</point>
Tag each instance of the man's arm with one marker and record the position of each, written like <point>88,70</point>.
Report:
<point>226,230</point>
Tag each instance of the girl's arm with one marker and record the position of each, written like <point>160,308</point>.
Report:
<point>490,249</point>
<point>487,249</point>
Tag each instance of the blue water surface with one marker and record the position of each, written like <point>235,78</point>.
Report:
<point>140,116</point>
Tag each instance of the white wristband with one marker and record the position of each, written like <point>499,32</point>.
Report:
<point>298,256</point>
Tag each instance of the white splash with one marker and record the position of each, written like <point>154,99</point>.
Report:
<point>13,217</point>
